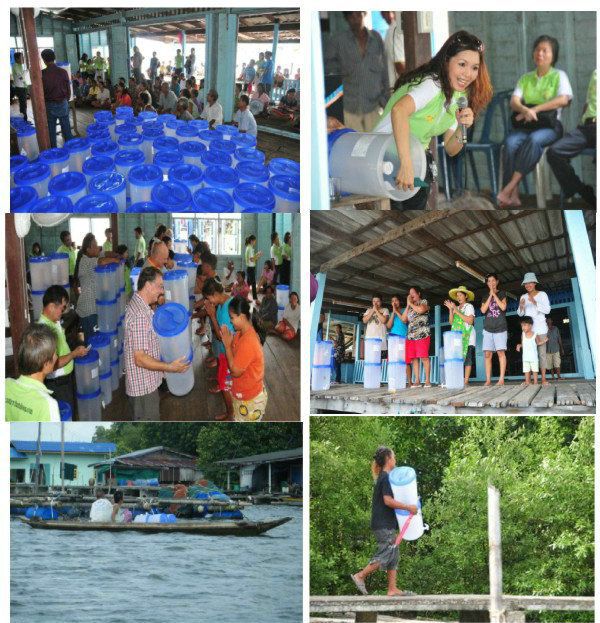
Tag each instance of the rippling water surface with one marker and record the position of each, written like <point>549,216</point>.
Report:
<point>100,577</point>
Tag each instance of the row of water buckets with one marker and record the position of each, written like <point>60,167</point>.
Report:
<point>46,271</point>
<point>451,363</point>
<point>151,163</point>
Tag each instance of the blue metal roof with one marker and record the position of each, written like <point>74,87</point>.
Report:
<point>71,447</point>
<point>14,454</point>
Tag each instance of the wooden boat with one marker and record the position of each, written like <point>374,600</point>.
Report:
<point>209,528</point>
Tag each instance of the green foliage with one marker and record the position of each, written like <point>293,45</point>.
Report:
<point>543,467</point>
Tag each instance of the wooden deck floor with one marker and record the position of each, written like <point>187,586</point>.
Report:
<point>559,397</point>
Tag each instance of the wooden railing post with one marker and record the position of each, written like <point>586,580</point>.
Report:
<point>495,556</point>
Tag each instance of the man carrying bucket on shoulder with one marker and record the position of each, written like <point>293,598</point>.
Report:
<point>384,525</point>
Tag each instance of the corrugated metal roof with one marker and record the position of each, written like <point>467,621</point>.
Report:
<point>269,457</point>
<point>14,454</point>
<point>159,456</point>
<point>71,447</point>
<point>509,243</point>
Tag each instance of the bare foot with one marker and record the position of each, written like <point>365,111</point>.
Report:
<point>545,384</point>
<point>503,198</point>
<point>487,383</point>
<point>500,382</point>
<point>525,383</point>
<point>398,593</point>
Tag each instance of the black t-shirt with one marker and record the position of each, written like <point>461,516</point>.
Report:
<point>495,318</point>
<point>382,517</point>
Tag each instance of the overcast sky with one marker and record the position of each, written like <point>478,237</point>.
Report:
<point>74,431</point>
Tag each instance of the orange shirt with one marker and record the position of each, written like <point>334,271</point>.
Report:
<point>247,356</point>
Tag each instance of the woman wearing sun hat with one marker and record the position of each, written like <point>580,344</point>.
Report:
<point>462,317</point>
<point>536,304</point>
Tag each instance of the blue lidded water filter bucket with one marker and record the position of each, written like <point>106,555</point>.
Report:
<point>106,282</point>
<point>192,152</point>
<point>57,158</point>
<point>176,286</point>
<point>253,198</point>
<point>71,185</point>
<point>100,342</point>
<point>284,166</point>
<point>226,146</point>
<point>187,174</point>
<point>87,379</point>
<point>221,177</point>
<point>125,160</point>
<point>253,172</point>
<point>97,203</point>
<point>105,148</point>
<point>16,164</point>
<point>79,152</point>
<point>403,481</point>
<point>35,174</point>
<point>23,199</point>
<point>52,204</point>
<point>142,179</point>
<point>113,184</point>
<point>89,406</point>
<point>248,154</point>
<point>372,375</point>
<point>106,386</point>
<point>65,410</point>
<point>107,315</point>
<point>172,197</point>
<point>286,190</point>
<point>166,159</point>
<point>40,271</point>
<point>396,375</point>
<point>218,158</point>
<point>96,165</point>
<point>212,200</point>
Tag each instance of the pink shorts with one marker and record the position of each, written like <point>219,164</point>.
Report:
<point>417,349</point>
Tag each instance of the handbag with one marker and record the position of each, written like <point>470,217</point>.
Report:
<point>545,119</point>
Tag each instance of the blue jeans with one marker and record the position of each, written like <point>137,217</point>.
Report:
<point>58,111</point>
<point>88,324</point>
<point>522,150</point>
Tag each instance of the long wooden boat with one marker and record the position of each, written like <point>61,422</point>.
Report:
<point>210,528</point>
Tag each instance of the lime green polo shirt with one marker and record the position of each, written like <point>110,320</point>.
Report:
<point>28,400</point>
<point>127,274</point>
<point>590,109</point>
<point>62,348</point>
<point>286,249</point>
<point>248,255</point>
<point>432,119</point>
<point>276,254</point>
<point>107,246</point>
<point>178,61</point>
<point>72,257</point>
<point>140,247</point>
<point>538,90</point>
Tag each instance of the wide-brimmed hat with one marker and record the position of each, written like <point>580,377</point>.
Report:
<point>463,289</point>
<point>529,278</point>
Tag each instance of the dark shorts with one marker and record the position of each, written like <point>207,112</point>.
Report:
<point>470,356</point>
<point>387,552</point>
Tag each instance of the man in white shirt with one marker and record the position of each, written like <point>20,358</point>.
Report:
<point>103,98</point>
<point>243,118</point>
<point>213,113</point>
<point>167,102</point>
<point>394,47</point>
<point>20,79</point>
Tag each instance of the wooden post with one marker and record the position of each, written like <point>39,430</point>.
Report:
<point>18,307</point>
<point>495,556</point>
<point>35,72</point>
<point>38,456</point>
<point>417,46</point>
<point>269,464</point>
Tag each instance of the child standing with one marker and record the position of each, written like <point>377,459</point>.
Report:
<point>384,524</point>
<point>528,347</point>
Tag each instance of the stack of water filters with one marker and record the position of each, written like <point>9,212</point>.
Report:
<point>372,372</point>
<point>283,298</point>
<point>46,271</point>
<point>108,296</point>
<point>87,381</point>
<point>321,365</point>
<point>454,367</point>
<point>396,367</point>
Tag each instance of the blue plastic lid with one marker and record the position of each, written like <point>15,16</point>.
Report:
<point>399,363</point>
<point>88,396</point>
<point>400,476</point>
<point>167,158</point>
<point>111,183</point>
<point>124,111</point>
<point>114,364</point>
<point>174,124</point>
<point>192,148</point>
<point>284,166</point>
<point>25,130</point>
<point>31,174</point>
<point>171,195</point>
<point>54,155</point>
<point>187,131</point>
<point>243,140</point>
<point>166,143</point>
<point>227,129</point>
<point>219,144</point>
<point>147,115</point>
<point>129,157</point>
<point>145,175</point>
<point>59,256</point>
<point>220,158</point>
<point>76,145</point>
<point>99,340</point>
<point>42,259</point>
<point>66,412</point>
<point>181,257</point>
<point>282,287</point>
<point>106,268</point>
<point>91,357</point>
<point>249,171</point>
<point>170,319</point>
<point>249,153</point>
<point>213,200</point>
<point>167,116</point>
<point>373,339</point>
<point>103,115</point>
<point>126,128</point>
<point>220,176</point>
<point>104,303</point>
<point>98,203</point>
<point>67,183</point>
<point>95,128</point>
<point>186,174</point>
<point>208,135</point>
<point>106,376</point>
<point>187,264</point>
<point>98,137</point>
<point>23,199</point>
<point>199,124</point>
<point>174,275</point>
<point>106,122</point>
<point>97,164</point>
<point>366,363</point>
<point>17,162</point>
<point>38,292</point>
<point>53,204</point>
<point>143,206</point>
<point>151,133</point>
<point>105,148</point>
<point>254,198</point>
<point>457,332</point>
<point>285,186</point>
<point>130,139</point>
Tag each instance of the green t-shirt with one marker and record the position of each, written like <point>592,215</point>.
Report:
<point>62,348</point>
<point>248,255</point>
<point>107,246</point>
<point>28,400</point>
<point>286,249</point>
<point>590,109</point>
<point>140,247</point>
<point>179,61</point>
<point>99,63</point>
<point>534,90</point>
<point>72,257</point>
<point>128,288</point>
<point>276,254</point>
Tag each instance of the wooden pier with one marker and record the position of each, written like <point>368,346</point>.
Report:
<point>559,397</point>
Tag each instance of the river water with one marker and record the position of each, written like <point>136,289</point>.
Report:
<point>101,577</point>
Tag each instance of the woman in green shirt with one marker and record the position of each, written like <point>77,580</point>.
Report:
<point>424,104</point>
<point>250,257</point>
<point>286,251</point>
<point>543,90</point>
<point>276,256</point>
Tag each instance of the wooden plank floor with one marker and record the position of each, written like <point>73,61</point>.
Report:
<point>569,396</point>
<point>273,146</point>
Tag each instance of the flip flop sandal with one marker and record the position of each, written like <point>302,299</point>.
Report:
<point>360,585</point>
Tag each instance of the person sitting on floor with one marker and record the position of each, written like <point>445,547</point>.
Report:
<point>268,276</point>
<point>267,309</point>
<point>240,287</point>
<point>102,97</point>
<point>182,112</point>
<point>244,119</point>
<point>287,327</point>
<point>288,106</point>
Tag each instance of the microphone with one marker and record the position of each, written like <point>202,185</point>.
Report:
<point>463,102</point>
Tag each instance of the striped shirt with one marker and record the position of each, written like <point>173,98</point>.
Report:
<point>140,336</point>
<point>86,303</point>
<point>365,78</point>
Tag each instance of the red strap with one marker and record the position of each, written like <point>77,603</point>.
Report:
<point>404,529</point>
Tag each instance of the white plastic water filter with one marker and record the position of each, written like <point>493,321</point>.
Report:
<point>403,481</point>
<point>396,348</point>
